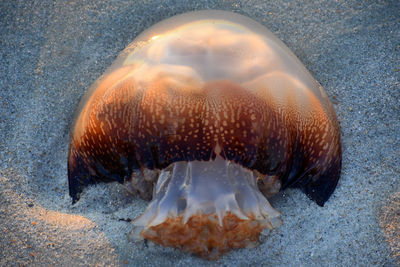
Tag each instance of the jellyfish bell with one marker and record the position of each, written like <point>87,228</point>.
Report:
<point>206,114</point>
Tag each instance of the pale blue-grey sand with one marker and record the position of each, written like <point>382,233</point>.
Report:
<point>52,51</point>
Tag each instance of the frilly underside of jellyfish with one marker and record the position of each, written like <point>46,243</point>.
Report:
<point>206,114</point>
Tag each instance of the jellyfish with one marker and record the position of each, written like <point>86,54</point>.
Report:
<point>206,114</point>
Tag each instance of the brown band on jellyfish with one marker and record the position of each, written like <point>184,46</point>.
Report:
<point>206,114</point>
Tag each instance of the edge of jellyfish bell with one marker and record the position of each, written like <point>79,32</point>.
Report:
<point>317,184</point>
<point>78,175</point>
<point>322,188</point>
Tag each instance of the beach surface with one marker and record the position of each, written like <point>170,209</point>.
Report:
<point>52,51</point>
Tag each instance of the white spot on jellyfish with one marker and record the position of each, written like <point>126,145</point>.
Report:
<point>217,149</point>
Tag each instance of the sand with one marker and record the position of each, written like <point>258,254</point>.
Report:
<point>51,52</point>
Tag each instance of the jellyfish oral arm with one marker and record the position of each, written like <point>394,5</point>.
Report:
<point>216,196</point>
